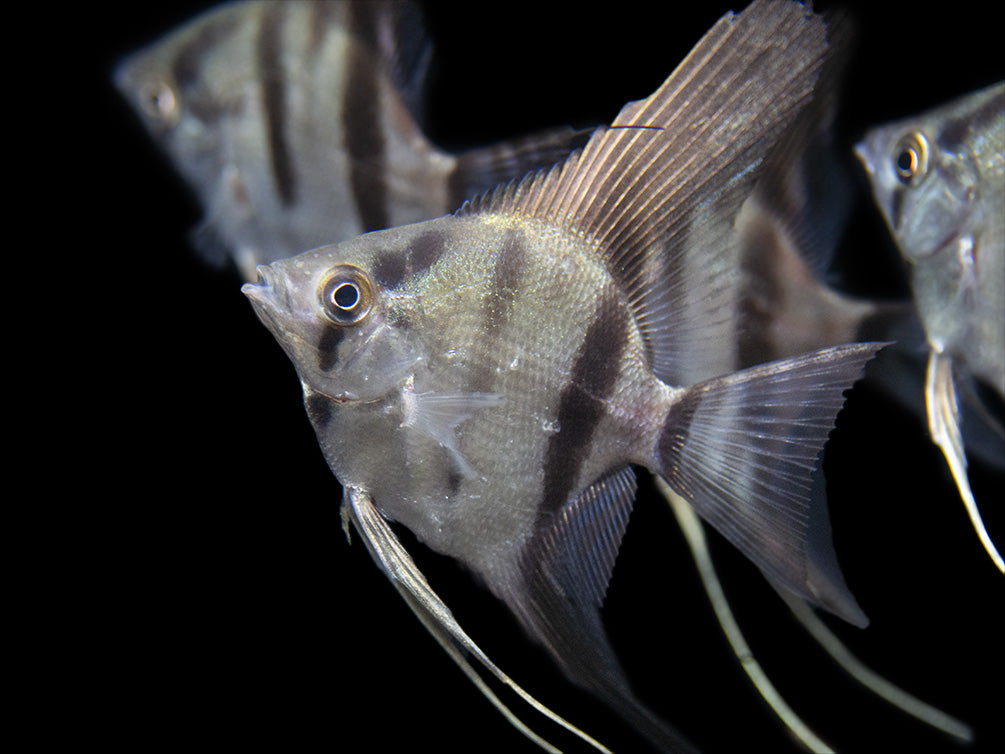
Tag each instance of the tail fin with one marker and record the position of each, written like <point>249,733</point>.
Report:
<point>742,449</point>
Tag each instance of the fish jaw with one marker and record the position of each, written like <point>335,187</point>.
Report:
<point>271,302</point>
<point>371,360</point>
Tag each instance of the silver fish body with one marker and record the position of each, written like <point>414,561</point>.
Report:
<point>939,182</point>
<point>296,124</point>
<point>489,378</point>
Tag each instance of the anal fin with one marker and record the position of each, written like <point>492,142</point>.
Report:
<point>559,588</point>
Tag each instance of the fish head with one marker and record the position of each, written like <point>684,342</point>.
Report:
<point>151,90</point>
<point>927,193</point>
<point>348,334</point>
<point>190,89</point>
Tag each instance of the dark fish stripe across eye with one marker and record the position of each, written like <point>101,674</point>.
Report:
<point>188,62</point>
<point>319,409</point>
<point>394,266</point>
<point>362,123</point>
<point>957,131</point>
<point>583,401</point>
<point>328,347</point>
<point>273,83</point>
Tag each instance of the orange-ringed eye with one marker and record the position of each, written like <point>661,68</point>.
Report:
<point>346,295</point>
<point>911,158</point>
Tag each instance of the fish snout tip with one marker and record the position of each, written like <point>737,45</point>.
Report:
<point>861,150</point>
<point>261,290</point>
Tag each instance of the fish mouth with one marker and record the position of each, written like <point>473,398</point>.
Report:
<point>271,304</point>
<point>862,153</point>
<point>262,286</point>
<point>264,296</point>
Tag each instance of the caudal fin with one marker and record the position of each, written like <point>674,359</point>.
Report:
<point>743,448</point>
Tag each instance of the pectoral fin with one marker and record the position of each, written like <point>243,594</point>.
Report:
<point>437,415</point>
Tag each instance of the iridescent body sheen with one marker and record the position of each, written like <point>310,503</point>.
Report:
<point>939,181</point>
<point>490,378</point>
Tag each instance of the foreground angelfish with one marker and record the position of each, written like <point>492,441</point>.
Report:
<point>489,378</point>
<point>296,124</point>
<point>939,181</point>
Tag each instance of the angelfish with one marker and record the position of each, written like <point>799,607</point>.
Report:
<point>298,123</point>
<point>489,378</point>
<point>939,181</point>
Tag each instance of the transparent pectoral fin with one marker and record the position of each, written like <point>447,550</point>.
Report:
<point>388,552</point>
<point>944,426</point>
<point>437,415</point>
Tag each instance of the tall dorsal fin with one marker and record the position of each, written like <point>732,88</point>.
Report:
<point>680,162</point>
<point>394,31</point>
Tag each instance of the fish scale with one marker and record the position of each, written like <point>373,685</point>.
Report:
<point>297,123</point>
<point>577,356</point>
<point>938,179</point>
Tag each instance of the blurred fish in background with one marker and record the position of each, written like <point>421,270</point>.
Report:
<point>523,71</point>
<point>298,123</point>
<point>939,182</point>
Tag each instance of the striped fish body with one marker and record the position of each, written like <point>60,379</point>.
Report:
<point>294,122</point>
<point>939,182</point>
<point>510,375</point>
<point>490,378</point>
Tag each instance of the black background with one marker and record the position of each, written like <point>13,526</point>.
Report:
<point>209,596</point>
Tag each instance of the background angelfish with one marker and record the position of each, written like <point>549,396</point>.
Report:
<point>297,124</point>
<point>939,182</point>
<point>488,378</point>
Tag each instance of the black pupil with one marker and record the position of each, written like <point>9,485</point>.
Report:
<point>906,162</point>
<point>346,296</point>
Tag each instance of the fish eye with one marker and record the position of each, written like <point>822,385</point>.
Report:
<point>911,161</point>
<point>346,295</point>
<point>159,101</point>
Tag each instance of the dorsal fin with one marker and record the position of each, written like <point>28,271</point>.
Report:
<point>395,33</point>
<point>680,162</point>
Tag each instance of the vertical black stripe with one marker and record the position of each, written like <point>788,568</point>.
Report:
<point>584,400</point>
<point>959,131</point>
<point>673,438</point>
<point>498,307</point>
<point>321,17</point>
<point>319,409</point>
<point>362,124</point>
<point>187,65</point>
<point>761,296</point>
<point>897,206</point>
<point>426,251</point>
<point>506,278</point>
<point>393,267</point>
<point>273,82</point>
<point>328,347</point>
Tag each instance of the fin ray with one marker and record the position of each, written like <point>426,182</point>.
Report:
<point>559,587</point>
<point>742,450</point>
